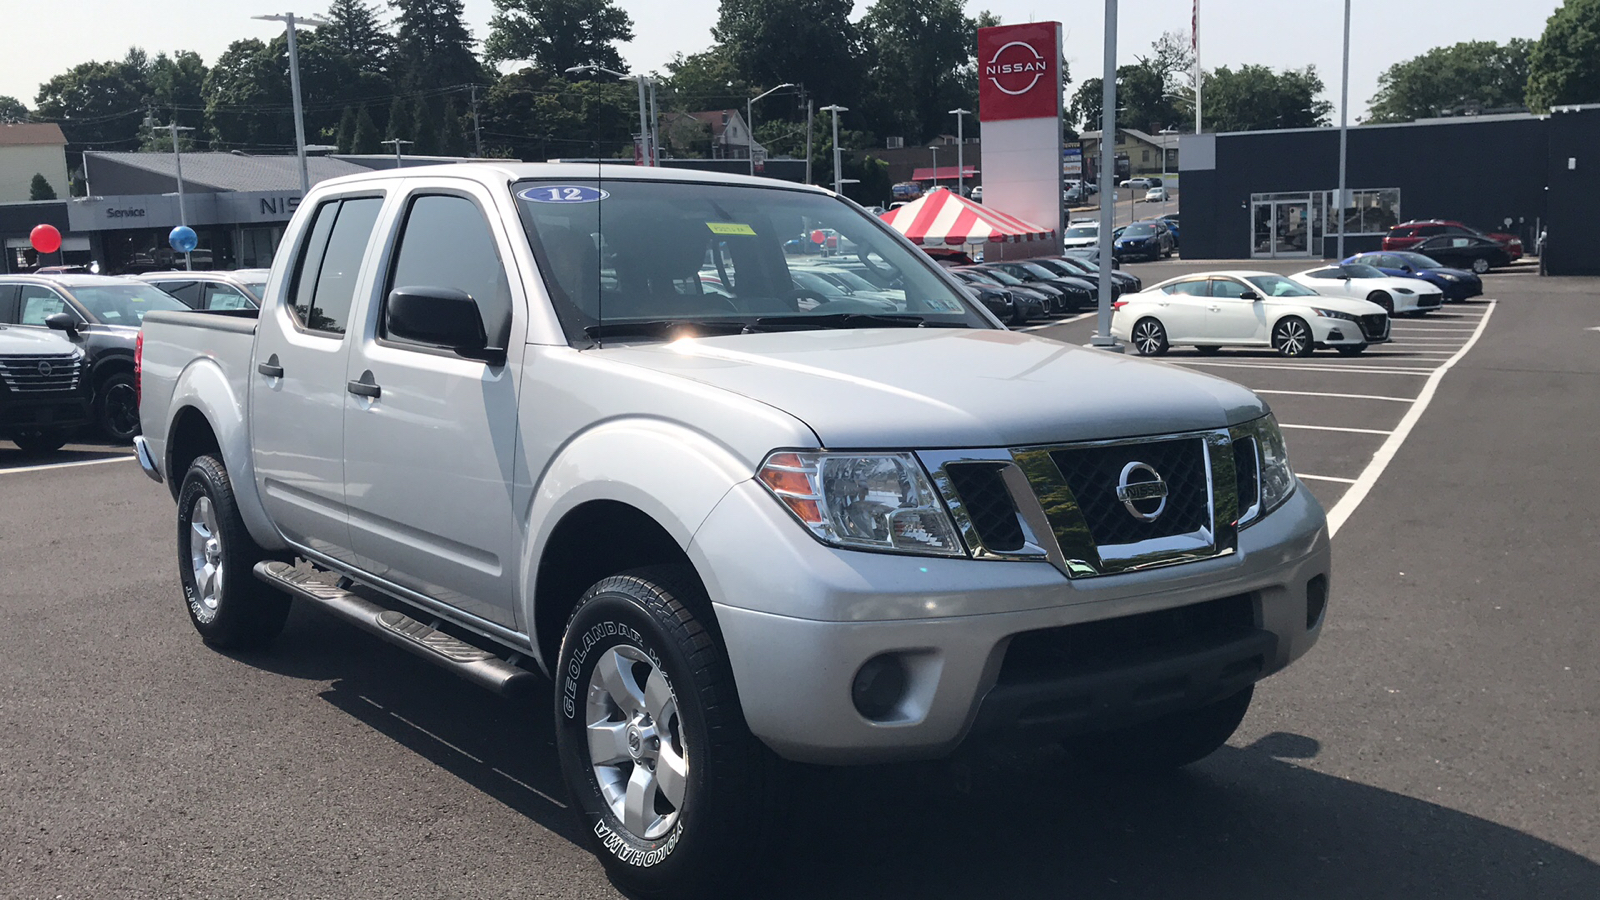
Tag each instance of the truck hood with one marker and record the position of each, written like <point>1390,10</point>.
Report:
<point>949,388</point>
<point>33,341</point>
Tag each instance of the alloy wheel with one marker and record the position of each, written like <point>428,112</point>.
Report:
<point>635,741</point>
<point>205,557</point>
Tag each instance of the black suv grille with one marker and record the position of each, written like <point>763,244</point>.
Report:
<point>51,372</point>
<point>1375,327</point>
<point>988,504</point>
<point>1071,650</point>
<point>1092,474</point>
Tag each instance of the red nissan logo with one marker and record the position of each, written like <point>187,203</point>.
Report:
<point>1015,68</point>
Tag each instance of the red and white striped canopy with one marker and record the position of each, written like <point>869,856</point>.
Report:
<point>943,217</point>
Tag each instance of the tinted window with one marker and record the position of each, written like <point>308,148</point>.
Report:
<point>1195,288</point>
<point>124,304</point>
<point>226,296</point>
<point>39,303</point>
<point>325,283</point>
<point>187,291</point>
<point>1323,273</point>
<point>1227,287</point>
<point>8,303</point>
<point>1139,229</point>
<point>1278,286</point>
<point>1358,270</point>
<point>1416,260</point>
<point>446,243</point>
<point>1428,230</point>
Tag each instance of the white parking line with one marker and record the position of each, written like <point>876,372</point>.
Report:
<point>1334,428</point>
<point>1447,329</point>
<point>66,465</point>
<point>1339,396</point>
<point>1325,367</point>
<point>1067,321</point>
<point>1352,498</point>
<point>1325,478</point>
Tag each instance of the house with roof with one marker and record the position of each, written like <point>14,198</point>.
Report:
<point>28,149</point>
<point>718,133</point>
<point>1142,150</point>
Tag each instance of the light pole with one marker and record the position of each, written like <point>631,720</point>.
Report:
<point>838,183</point>
<point>1108,137</point>
<point>1344,125</point>
<point>935,149</point>
<point>750,120</point>
<point>289,20</point>
<point>645,133</point>
<point>961,140</point>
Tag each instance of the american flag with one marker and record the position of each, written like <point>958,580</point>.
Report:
<point>1194,27</point>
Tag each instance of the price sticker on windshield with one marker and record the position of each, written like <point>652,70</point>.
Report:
<point>731,228</point>
<point>563,193</point>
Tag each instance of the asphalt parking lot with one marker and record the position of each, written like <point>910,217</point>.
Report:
<point>1443,740</point>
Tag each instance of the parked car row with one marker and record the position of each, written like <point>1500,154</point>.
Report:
<point>1455,243</point>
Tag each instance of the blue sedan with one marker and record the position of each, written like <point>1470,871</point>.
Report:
<point>1456,284</point>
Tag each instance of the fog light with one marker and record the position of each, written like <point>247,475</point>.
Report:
<point>879,686</point>
<point>1336,335</point>
<point>1316,600</point>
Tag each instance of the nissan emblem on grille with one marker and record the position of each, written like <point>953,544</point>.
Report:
<point>45,369</point>
<point>1139,496</point>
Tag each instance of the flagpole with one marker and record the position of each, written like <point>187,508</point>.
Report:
<point>1194,31</point>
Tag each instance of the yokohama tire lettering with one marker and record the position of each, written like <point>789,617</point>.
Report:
<point>618,846</point>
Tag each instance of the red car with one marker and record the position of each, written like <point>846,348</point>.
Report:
<point>1408,234</point>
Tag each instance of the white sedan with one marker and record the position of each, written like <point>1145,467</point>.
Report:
<point>1156,195</point>
<point>1397,295</point>
<point>1212,310</point>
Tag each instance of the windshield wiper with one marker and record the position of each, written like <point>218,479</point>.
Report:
<point>664,328</point>
<point>836,320</point>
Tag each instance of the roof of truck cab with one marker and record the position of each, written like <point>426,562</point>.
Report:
<point>497,173</point>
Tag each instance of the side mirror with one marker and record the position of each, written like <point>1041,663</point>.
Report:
<point>1249,295</point>
<point>62,322</point>
<point>442,316</point>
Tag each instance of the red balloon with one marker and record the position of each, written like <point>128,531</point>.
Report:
<point>817,237</point>
<point>45,238</point>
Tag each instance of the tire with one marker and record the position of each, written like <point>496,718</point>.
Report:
<point>641,626</point>
<point>1149,337</point>
<point>1480,265</point>
<point>1383,299</point>
<point>47,441</point>
<point>1351,349</point>
<point>1208,349</point>
<point>1292,337</point>
<point>227,605</point>
<point>116,408</point>
<point>1174,740</point>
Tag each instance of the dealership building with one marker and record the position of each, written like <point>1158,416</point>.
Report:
<point>1273,194</point>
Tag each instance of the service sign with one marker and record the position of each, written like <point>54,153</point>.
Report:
<point>1019,71</point>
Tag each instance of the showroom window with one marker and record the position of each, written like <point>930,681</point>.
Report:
<point>1371,211</point>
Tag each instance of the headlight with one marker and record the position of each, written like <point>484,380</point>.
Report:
<point>1447,276</point>
<point>1333,314</point>
<point>865,501</point>
<point>1404,291</point>
<point>1260,444</point>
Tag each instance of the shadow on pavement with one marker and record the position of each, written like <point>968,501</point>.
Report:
<point>80,450</point>
<point>994,822</point>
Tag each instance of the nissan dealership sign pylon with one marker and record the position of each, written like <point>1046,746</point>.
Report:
<point>1019,103</point>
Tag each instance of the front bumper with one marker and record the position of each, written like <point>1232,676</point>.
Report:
<point>800,619</point>
<point>22,413</point>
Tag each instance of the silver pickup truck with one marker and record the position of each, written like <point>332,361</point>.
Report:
<point>574,429</point>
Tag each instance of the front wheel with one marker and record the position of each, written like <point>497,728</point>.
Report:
<point>1176,739</point>
<point>47,441</point>
<point>1480,265</point>
<point>653,744</point>
<point>227,604</point>
<point>1292,337</point>
<point>1149,337</point>
<point>116,408</point>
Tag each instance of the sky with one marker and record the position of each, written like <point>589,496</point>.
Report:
<point>1275,33</point>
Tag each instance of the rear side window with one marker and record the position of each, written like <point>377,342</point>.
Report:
<point>324,286</point>
<point>1430,230</point>
<point>1195,288</point>
<point>446,243</point>
<point>226,296</point>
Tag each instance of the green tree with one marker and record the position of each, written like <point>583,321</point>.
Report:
<point>177,85</point>
<point>558,34</point>
<point>40,189</point>
<point>533,114</point>
<point>706,80</point>
<point>1564,67</point>
<point>1142,101</point>
<point>808,42</point>
<point>12,110</point>
<point>99,104</point>
<point>433,48</point>
<point>920,54</point>
<point>366,137</point>
<point>402,118</point>
<point>452,139</point>
<point>346,137</point>
<point>357,34</point>
<point>425,127</point>
<point>1255,98</point>
<point>247,91</point>
<point>1480,74</point>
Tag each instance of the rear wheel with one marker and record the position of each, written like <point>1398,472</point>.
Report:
<point>1480,265</point>
<point>227,604</point>
<point>1173,740</point>
<point>1292,337</point>
<point>1149,337</point>
<point>41,441</point>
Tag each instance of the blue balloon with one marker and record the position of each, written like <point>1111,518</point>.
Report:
<point>183,239</point>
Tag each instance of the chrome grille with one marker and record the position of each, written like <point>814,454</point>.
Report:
<point>48,372</point>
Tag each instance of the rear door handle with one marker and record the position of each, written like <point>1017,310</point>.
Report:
<point>270,368</point>
<point>365,387</point>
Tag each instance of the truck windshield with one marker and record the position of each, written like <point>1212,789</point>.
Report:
<point>713,256</point>
<point>124,304</point>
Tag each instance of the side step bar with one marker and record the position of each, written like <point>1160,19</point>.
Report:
<point>475,664</point>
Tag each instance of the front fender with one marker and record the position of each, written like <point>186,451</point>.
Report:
<point>205,388</point>
<point>671,473</point>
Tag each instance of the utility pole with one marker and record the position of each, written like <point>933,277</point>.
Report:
<point>289,20</point>
<point>177,167</point>
<point>838,185</point>
<point>750,120</point>
<point>1344,125</point>
<point>397,142</point>
<point>1108,164</point>
<point>810,110</point>
<point>1195,37</point>
<point>477,132</point>
<point>961,141</point>
<point>655,125</point>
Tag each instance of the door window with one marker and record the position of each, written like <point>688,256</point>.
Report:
<point>324,286</point>
<point>446,243</point>
<point>1228,288</point>
<point>39,303</point>
<point>226,296</point>
<point>187,291</point>
<point>8,303</point>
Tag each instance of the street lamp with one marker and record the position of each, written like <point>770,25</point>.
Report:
<point>961,140</point>
<point>838,183</point>
<point>750,120</point>
<point>645,133</point>
<point>289,20</point>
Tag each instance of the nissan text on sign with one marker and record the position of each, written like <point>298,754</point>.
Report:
<point>1019,103</point>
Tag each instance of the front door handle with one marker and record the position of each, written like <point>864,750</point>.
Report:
<point>366,387</point>
<point>1216,309</point>
<point>270,368</point>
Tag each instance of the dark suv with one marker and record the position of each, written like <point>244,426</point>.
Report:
<point>43,394</point>
<point>102,316</point>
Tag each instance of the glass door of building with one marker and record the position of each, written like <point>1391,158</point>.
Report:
<point>1281,228</point>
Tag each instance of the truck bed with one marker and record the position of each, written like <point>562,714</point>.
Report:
<point>193,358</point>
